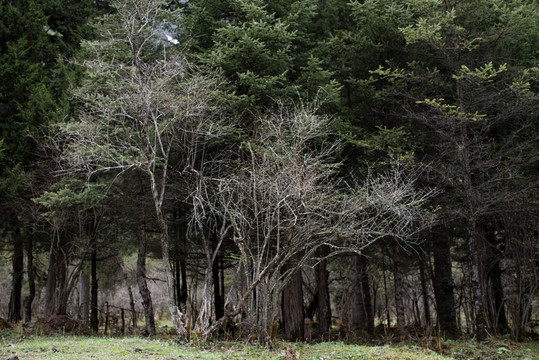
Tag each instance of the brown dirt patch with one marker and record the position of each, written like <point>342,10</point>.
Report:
<point>61,324</point>
<point>4,324</point>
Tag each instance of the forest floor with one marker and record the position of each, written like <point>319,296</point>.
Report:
<point>23,347</point>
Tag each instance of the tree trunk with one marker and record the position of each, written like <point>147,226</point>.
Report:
<point>28,300</point>
<point>180,270</point>
<point>476,258</point>
<point>141,275</point>
<point>218,297</point>
<point>56,290</point>
<point>61,273</point>
<point>358,313</point>
<point>175,313</point>
<point>293,308</point>
<point>424,289</point>
<point>17,277</point>
<point>500,317</point>
<point>84,298</point>
<point>122,315</point>
<point>129,291</point>
<point>211,283</point>
<point>158,197</point>
<point>94,315</point>
<point>443,282</point>
<point>366,290</point>
<point>222,269</point>
<point>183,274</point>
<point>106,330</point>
<point>50,287</point>
<point>204,315</point>
<point>386,298</point>
<point>177,276</point>
<point>324,306</point>
<point>399,290</point>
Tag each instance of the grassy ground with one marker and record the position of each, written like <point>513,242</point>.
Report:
<point>105,348</point>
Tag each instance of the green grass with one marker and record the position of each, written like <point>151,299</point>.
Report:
<point>105,348</point>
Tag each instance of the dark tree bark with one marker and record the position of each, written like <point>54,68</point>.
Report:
<point>424,289</point>
<point>50,287</point>
<point>499,316</point>
<point>386,298</point>
<point>293,308</point>
<point>61,274</point>
<point>312,306</point>
<point>366,290</point>
<point>56,287</point>
<point>106,330</point>
<point>362,310</point>
<point>17,278</point>
<point>399,290</point>
<point>141,275</point>
<point>177,276</point>
<point>218,298</point>
<point>94,316</point>
<point>358,314</point>
<point>443,282</point>
<point>324,306</point>
<point>180,269</point>
<point>222,269</point>
<point>183,274</point>
<point>176,257</point>
<point>122,315</point>
<point>29,299</point>
<point>84,298</point>
<point>475,249</point>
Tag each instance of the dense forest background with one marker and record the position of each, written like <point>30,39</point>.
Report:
<point>310,169</point>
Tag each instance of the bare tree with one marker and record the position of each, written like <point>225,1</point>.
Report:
<point>212,203</point>
<point>145,108</point>
<point>140,106</point>
<point>286,202</point>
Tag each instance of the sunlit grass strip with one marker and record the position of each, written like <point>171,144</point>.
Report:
<point>68,347</point>
<point>105,348</point>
